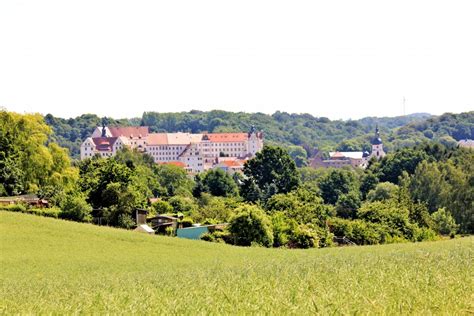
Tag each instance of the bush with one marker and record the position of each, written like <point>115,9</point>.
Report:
<point>304,237</point>
<point>251,225</point>
<point>282,228</point>
<point>13,208</point>
<point>425,234</point>
<point>182,204</point>
<point>444,223</point>
<point>76,208</point>
<point>53,212</point>
<point>162,207</point>
<point>359,231</point>
<point>125,221</point>
<point>186,222</point>
<point>208,237</point>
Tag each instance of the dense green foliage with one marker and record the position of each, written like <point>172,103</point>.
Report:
<point>57,267</point>
<point>284,129</point>
<point>412,194</point>
<point>271,171</point>
<point>251,226</point>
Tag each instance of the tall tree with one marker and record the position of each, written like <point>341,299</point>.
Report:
<point>272,170</point>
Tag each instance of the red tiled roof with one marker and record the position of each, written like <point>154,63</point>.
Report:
<point>174,163</point>
<point>337,155</point>
<point>135,131</point>
<point>227,137</point>
<point>232,163</point>
<point>157,139</point>
<point>104,143</point>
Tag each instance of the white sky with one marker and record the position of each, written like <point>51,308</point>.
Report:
<point>340,59</point>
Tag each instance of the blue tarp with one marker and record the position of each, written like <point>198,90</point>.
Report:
<point>191,232</point>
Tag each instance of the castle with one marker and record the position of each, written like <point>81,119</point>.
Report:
<point>194,152</point>
<point>354,159</point>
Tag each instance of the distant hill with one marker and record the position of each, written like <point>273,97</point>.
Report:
<point>283,128</point>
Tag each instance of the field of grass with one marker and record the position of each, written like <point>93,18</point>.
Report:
<point>54,266</point>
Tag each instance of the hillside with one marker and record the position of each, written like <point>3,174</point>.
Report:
<point>53,266</point>
<point>281,128</point>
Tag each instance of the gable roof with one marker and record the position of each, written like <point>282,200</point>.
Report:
<point>347,154</point>
<point>227,137</point>
<point>157,139</point>
<point>130,131</point>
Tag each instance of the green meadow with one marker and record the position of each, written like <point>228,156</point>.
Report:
<point>55,266</point>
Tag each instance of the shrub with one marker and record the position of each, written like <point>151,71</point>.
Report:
<point>186,222</point>
<point>76,208</point>
<point>13,208</point>
<point>125,221</point>
<point>304,237</point>
<point>217,236</point>
<point>169,231</point>
<point>251,225</point>
<point>162,207</point>
<point>208,237</point>
<point>444,223</point>
<point>46,212</point>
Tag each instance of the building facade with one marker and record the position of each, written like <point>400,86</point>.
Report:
<point>353,159</point>
<point>197,152</point>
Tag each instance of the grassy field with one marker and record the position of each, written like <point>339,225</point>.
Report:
<point>54,266</point>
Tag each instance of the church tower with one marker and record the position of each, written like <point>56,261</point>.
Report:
<point>377,145</point>
<point>255,141</point>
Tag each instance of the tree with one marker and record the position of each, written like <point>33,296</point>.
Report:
<point>392,165</point>
<point>348,204</point>
<point>174,179</point>
<point>272,167</point>
<point>383,191</point>
<point>367,183</point>
<point>337,182</point>
<point>299,155</point>
<point>251,225</point>
<point>219,183</point>
<point>27,161</point>
<point>427,184</point>
<point>76,208</point>
<point>162,207</point>
<point>444,222</point>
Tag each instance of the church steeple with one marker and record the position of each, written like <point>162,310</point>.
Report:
<point>377,140</point>
<point>377,145</point>
<point>104,132</point>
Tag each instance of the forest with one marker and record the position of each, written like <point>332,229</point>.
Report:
<point>416,192</point>
<point>283,129</point>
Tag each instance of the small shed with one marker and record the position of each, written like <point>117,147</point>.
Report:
<point>160,222</point>
<point>144,229</point>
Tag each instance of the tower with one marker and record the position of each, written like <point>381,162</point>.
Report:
<point>377,145</point>
<point>255,141</point>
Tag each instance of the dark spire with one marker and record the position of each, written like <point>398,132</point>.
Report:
<point>104,132</point>
<point>377,140</point>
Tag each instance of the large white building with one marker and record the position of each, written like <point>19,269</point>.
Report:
<point>196,152</point>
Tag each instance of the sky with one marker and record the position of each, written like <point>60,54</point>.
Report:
<point>337,59</point>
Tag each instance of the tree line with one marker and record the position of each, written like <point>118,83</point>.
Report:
<point>412,194</point>
<point>283,129</point>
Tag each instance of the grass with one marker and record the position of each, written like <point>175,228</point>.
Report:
<point>60,267</point>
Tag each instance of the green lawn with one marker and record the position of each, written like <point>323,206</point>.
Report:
<point>54,266</point>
